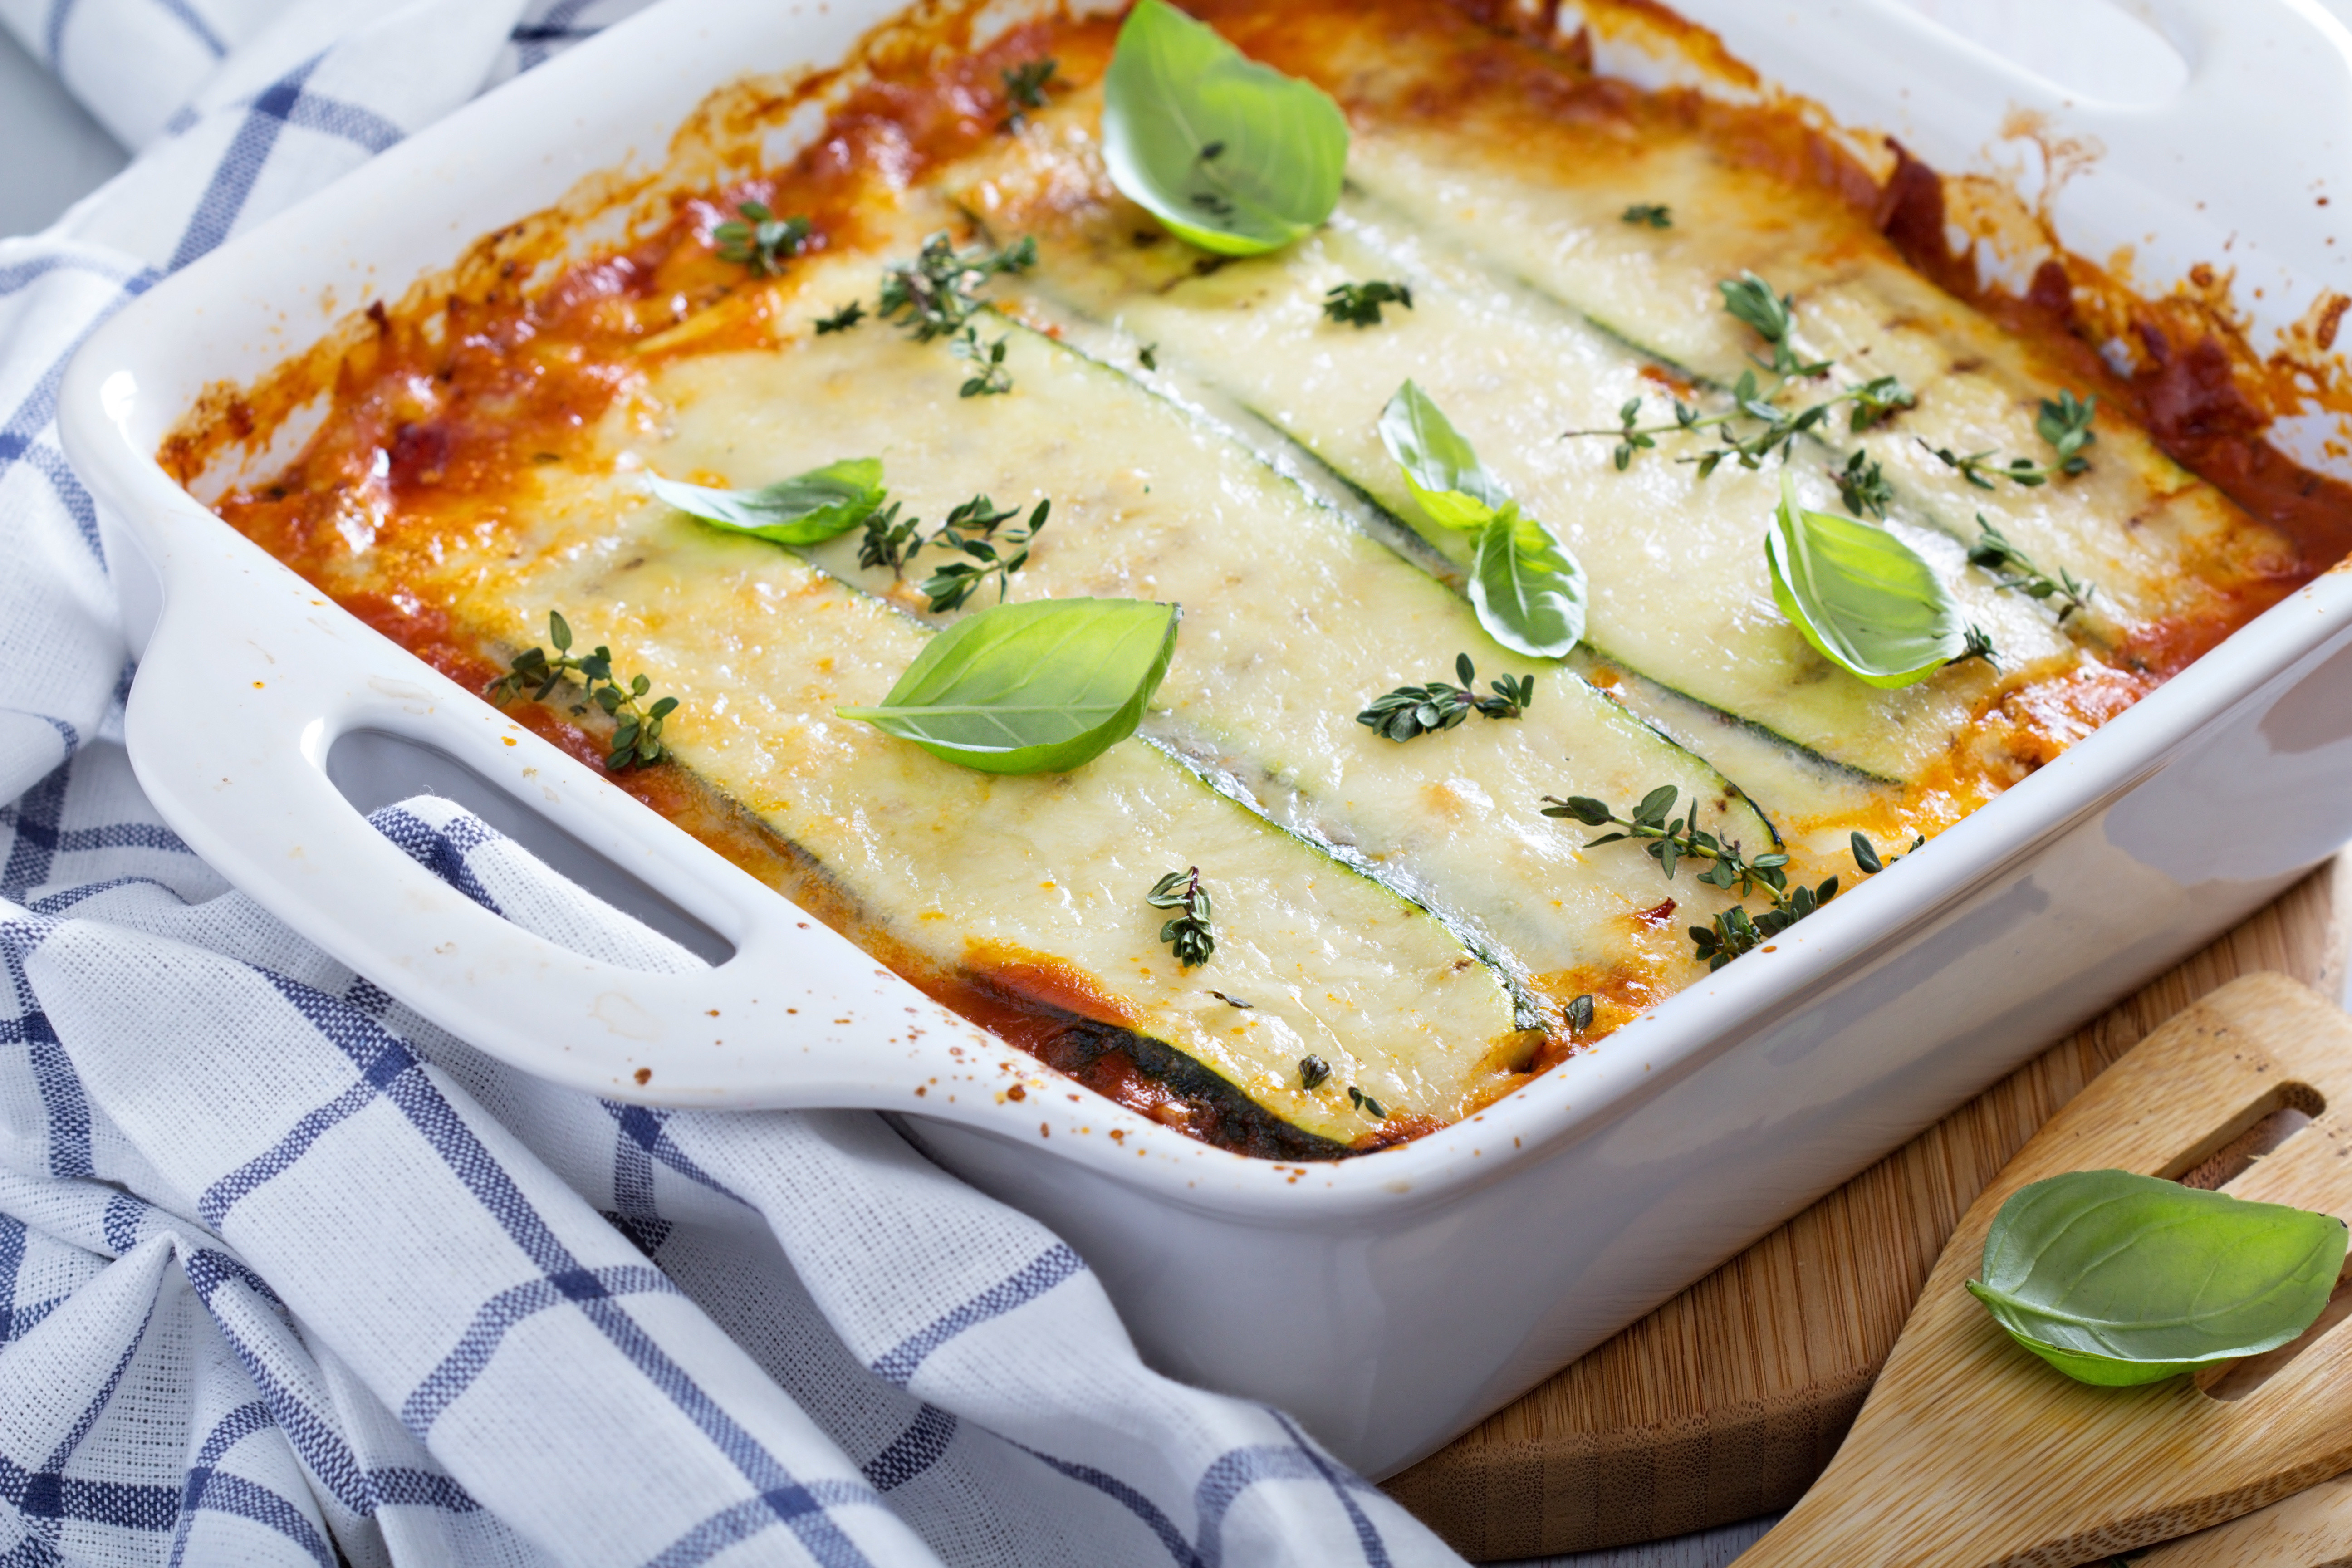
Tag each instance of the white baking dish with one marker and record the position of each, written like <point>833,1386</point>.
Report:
<point>1389,1301</point>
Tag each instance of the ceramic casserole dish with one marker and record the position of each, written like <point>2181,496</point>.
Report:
<point>1391,1300</point>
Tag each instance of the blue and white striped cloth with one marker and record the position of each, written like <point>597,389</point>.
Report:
<point>286,1275</point>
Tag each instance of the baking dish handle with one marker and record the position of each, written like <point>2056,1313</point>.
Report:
<point>229,736</point>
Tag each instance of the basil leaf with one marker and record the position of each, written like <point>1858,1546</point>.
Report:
<point>1528,589</point>
<point>1440,466</point>
<point>1231,155</point>
<point>1033,687</point>
<point>808,508</point>
<point>2118,1279</point>
<point>1864,598</point>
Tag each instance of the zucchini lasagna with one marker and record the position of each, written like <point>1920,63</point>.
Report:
<point>1601,527</point>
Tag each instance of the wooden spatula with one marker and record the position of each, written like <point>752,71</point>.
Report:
<point>1970,1452</point>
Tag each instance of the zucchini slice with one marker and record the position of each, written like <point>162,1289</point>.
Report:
<point>1294,621</point>
<point>1679,590</point>
<point>1034,885</point>
<point>2153,538</point>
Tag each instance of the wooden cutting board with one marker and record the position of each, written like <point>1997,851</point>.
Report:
<point>1726,1402</point>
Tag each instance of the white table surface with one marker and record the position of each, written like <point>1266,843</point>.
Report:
<point>57,153</point>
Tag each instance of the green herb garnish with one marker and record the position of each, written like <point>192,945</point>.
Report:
<point>1866,855</point>
<point>1577,1014</point>
<point>1149,356</point>
<point>2119,1280</point>
<point>841,321</point>
<point>1670,840</point>
<point>2015,571</point>
<point>1861,485</point>
<point>1358,304</point>
<point>1527,586</point>
<point>936,293</point>
<point>808,508</point>
<point>1366,1103</point>
<point>1043,686</point>
<point>1187,933</point>
<point>1231,155</point>
<point>890,540</point>
<point>1755,426</point>
<point>1411,710</point>
<point>972,529</point>
<point>1649,213</point>
<point>990,379</point>
<point>765,243</point>
<point>1312,1072</point>
<point>1024,89</point>
<point>637,728</point>
<point>2065,424</point>
<point>1865,600</point>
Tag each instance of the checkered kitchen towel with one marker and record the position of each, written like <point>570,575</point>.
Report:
<point>288,1276</point>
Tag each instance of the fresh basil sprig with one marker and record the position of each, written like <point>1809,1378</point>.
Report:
<point>1527,587</point>
<point>1231,155</point>
<point>808,508</point>
<point>2116,1280</point>
<point>1865,600</point>
<point>1042,687</point>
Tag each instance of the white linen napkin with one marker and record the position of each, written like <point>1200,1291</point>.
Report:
<point>287,1274</point>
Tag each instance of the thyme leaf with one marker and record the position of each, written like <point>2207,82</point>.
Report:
<point>1411,710</point>
<point>636,726</point>
<point>1358,304</point>
<point>1186,934</point>
<point>764,243</point>
<point>1312,1072</point>
<point>1366,1103</point>
<point>1577,1014</point>
<point>1649,213</point>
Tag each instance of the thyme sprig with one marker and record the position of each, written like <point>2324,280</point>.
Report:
<point>1861,485</point>
<point>1358,304</point>
<point>2014,570</point>
<point>1366,1103</point>
<point>989,378</point>
<point>1775,428</point>
<point>1188,933</point>
<point>636,727</point>
<point>1773,316</point>
<point>933,295</point>
<point>2065,421</point>
<point>841,321</point>
<point>764,243</point>
<point>972,529</point>
<point>1024,89</point>
<point>889,540</point>
<point>1670,840</point>
<point>1411,710</point>
<point>1755,426</point>
<point>1651,214</point>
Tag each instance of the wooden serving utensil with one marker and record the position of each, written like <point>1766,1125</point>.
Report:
<point>1973,1453</point>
